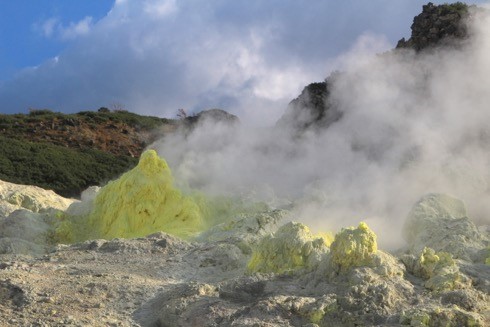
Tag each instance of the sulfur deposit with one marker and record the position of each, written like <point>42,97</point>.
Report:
<point>438,269</point>
<point>243,271</point>
<point>353,247</point>
<point>291,248</point>
<point>142,201</point>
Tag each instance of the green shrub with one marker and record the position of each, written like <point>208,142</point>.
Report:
<point>64,170</point>
<point>40,112</point>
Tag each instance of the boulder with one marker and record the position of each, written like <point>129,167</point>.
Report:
<point>440,222</point>
<point>32,198</point>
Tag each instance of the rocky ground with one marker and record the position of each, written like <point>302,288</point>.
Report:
<point>245,272</point>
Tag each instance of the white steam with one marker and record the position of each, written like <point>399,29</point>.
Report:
<point>412,124</point>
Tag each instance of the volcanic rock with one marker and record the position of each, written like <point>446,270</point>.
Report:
<point>32,198</point>
<point>291,248</point>
<point>161,280</point>
<point>213,116</point>
<point>311,110</point>
<point>437,25</point>
<point>440,222</point>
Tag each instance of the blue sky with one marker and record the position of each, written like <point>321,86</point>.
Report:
<point>22,41</point>
<point>155,56</point>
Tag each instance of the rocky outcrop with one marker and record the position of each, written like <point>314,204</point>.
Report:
<point>211,116</point>
<point>311,110</point>
<point>437,25</point>
<point>26,215</point>
<point>440,222</point>
<point>35,199</point>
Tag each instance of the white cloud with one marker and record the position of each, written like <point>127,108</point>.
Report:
<point>76,29</point>
<point>54,28</point>
<point>158,8</point>
<point>249,57</point>
<point>47,28</point>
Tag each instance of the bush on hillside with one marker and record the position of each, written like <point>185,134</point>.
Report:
<point>66,171</point>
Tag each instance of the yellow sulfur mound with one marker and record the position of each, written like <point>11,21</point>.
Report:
<point>140,202</point>
<point>440,270</point>
<point>291,248</point>
<point>327,237</point>
<point>353,247</point>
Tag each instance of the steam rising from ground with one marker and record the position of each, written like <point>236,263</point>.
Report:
<point>412,124</point>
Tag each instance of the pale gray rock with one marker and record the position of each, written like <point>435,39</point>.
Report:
<point>245,230</point>
<point>85,206</point>
<point>32,198</point>
<point>26,225</point>
<point>14,245</point>
<point>440,222</point>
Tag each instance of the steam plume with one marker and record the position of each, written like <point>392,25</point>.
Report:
<point>411,124</point>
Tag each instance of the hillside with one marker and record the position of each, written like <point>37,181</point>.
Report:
<point>120,133</point>
<point>69,152</point>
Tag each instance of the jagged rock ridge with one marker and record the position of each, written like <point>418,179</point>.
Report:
<point>437,26</point>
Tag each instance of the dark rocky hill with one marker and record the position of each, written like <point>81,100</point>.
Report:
<point>437,26</point>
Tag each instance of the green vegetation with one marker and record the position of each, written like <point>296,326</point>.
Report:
<point>37,148</point>
<point>122,116</point>
<point>64,170</point>
<point>17,121</point>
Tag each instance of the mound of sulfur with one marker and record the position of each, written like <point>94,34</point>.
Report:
<point>353,247</point>
<point>440,316</point>
<point>292,247</point>
<point>438,269</point>
<point>142,201</point>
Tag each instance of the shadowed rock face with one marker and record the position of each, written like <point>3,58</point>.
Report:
<point>437,25</point>
<point>310,110</point>
<point>211,116</point>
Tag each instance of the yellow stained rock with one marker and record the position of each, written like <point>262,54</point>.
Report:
<point>440,270</point>
<point>353,247</point>
<point>291,248</point>
<point>142,201</point>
